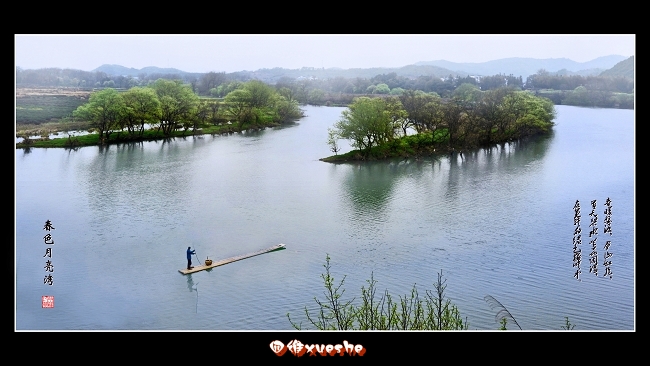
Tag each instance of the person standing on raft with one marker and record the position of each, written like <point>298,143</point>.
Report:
<point>189,257</point>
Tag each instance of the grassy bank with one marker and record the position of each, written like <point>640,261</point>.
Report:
<point>421,144</point>
<point>417,145</point>
<point>123,136</point>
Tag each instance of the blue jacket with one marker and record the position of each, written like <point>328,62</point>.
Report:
<point>189,253</point>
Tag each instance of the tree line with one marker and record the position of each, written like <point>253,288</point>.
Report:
<point>172,104</point>
<point>468,119</point>
<point>340,90</point>
<point>545,80</point>
<point>56,77</point>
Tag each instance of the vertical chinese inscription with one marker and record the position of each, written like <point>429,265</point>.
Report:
<point>593,232</point>
<point>49,267</point>
<point>608,229</point>
<point>593,237</point>
<point>576,240</point>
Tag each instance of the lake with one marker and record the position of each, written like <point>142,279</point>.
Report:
<point>497,222</point>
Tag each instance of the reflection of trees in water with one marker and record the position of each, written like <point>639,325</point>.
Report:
<point>412,184</point>
<point>507,159</point>
<point>369,189</point>
<point>122,182</point>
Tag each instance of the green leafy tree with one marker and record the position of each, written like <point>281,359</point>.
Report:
<point>177,103</point>
<point>413,103</point>
<point>286,92</point>
<point>209,81</point>
<point>382,89</point>
<point>316,97</point>
<point>286,110</point>
<point>527,114</point>
<point>397,91</point>
<point>260,94</point>
<point>104,110</point>
<point>366,123</point>
<point>332,141</point>
<point>237,106</point>
<point>142,106</point>
<point>467,92</point>
<point>579,96</point>
<point>432,117</point>
<point>258,103</point>
<point>453,113</point>
<point>398,115</point>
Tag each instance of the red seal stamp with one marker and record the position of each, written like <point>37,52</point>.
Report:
<point>48,301</point>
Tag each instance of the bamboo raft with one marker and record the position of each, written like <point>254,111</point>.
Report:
<point>230,260</point>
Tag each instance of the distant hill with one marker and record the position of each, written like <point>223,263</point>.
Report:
<point>118,70</point>
<point>624,68</point>
<point>526,66</point>
<point>412,71</point>
<point>516,66</point>
<point>271,76</point>
<point>586,72</point>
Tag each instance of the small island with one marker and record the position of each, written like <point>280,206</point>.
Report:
<point>418,123</point>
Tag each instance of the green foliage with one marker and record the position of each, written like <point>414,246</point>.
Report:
<point>467,92</point>
<point>286,110</point>
<point>366,123</point>
<point>409,312</point>
<point>177,103</point>
<point>72,142</point>
<point>332,141</point>
<point>174,106</point>
<point>486,118</point>
<point>143,106</point>
<point>579,96</point>
<point>258,104</point>
<point>382,89</point>
<point>104,110</point>
<point>621,100</point>
<point>316,97</point>
<point>238,107</point>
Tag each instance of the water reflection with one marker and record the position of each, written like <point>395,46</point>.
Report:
<point>370,186</point>
<point>127,213</point>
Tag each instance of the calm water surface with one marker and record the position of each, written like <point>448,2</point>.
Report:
<point>497,222</point>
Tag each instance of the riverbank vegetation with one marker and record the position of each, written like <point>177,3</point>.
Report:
<point>418,123</point>
<point>173,109</point>
<point>433,311</point>
<point>613,88</point>
<point>197,102</point>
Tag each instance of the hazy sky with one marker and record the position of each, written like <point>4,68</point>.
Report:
<point>229,53</point>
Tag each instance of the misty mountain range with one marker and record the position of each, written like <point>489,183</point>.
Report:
<point>524,67</point>
<point>516,66</point>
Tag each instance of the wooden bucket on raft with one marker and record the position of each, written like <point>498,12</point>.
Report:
<point>208,262</point>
